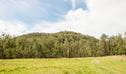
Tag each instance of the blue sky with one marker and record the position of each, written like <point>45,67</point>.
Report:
<point>92,17</point>
<point>31,11</point>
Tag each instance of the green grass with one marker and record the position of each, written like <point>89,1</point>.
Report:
<point>93,65</point>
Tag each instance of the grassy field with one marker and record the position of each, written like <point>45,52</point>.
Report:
<point>93,65</point>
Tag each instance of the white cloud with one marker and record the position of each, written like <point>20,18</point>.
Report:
<point>73,4</point>
<point>11,8</point>
<point>102,16</point>
<point>13,28</point>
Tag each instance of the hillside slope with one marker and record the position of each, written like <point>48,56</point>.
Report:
<point>62,44</point>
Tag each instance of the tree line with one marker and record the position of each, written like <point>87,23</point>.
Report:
<point>62,44</point>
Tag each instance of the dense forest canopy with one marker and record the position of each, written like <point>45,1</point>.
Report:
<point>62,44</point>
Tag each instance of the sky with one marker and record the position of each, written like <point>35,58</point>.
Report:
<point>92,17</point>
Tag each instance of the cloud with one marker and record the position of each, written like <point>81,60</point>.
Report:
<point>73,4</point>
<point>12,28</point>
<point>22,6</point>
<point>102,16</point>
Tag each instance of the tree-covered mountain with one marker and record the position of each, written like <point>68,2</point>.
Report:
<point>62,44</point>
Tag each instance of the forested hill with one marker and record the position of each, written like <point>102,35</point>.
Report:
<point>62,44</point>
<point>58,34</point>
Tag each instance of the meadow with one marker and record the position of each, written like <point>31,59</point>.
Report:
<point>89,65</point>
